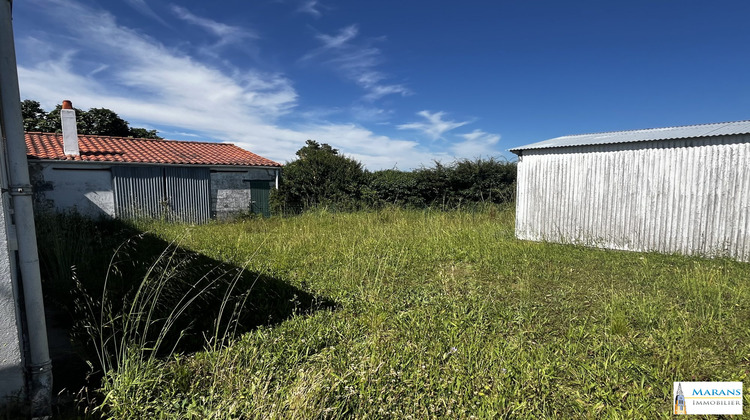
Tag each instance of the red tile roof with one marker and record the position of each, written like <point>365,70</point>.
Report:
<point>131,150</point>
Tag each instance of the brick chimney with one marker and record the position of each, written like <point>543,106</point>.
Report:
<point>69,129</point>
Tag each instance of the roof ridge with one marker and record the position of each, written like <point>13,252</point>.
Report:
<point>647,129</point>
<point>135,138</point>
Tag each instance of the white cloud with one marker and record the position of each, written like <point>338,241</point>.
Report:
<point>357,62</point>
<point>476,144</point>
<point>142,7</point>
<point>101,68</point>
<point>309,7</point>
<point>375,151</point>
<point>378,91</point>
<point>370,114</point>
<point>227,34</point>
<point>435,126</point>
<point>156,73</point>
<point>334,41</point>
<point>152,85</point>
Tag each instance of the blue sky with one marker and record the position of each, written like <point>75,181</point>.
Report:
<point>389,83</point>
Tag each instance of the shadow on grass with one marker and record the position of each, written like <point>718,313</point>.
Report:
<point>78,254</point>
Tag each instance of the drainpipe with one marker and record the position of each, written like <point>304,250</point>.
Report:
<point>40,365</point>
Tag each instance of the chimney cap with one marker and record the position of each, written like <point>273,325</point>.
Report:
<point>66,104</point>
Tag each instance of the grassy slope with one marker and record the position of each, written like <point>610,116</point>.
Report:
<point>447,315</point>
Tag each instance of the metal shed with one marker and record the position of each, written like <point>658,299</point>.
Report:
<point>673,190</point>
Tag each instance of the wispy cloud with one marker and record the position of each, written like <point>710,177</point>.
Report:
<point>154,85</point>
<point>476,144</point>
<point>378,91</point>
<point>99,69</point>
<point>332,42</point>
<point>356,61</point>
<point>143,8</point>
<point>310,7</point>
<point>227,34</point>
<point>434,127</point>
<point>370,114</point>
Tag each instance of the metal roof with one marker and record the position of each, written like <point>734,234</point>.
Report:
<point>650,134</point>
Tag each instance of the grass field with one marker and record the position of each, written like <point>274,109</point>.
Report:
<point>447,315</point>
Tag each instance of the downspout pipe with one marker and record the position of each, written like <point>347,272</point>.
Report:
<point>40,365</point>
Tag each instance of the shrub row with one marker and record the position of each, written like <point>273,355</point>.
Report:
<point>323,177</point>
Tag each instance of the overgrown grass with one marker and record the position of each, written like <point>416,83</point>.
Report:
<point>447,315</point>
<point>128,298</point>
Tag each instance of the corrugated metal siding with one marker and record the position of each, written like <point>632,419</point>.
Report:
<point>174,193</point>
<point>686,196</point>
<point>189,193</point>
<point>138,191</point>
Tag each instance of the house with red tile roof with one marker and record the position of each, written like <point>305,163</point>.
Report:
<point>128,177</point>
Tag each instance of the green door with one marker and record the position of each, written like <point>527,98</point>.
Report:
<point>260,192</point>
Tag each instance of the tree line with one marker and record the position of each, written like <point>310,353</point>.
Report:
<point>322,176</point>
<point>95,121</point>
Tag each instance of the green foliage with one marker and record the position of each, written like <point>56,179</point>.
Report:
<point>392,187</point>
<point>447,315</point>
<point>320,176</point>
<point>102,121</point>
<point>34,117</point>
<point>462,183</point>
<point>95,121</point>
<point>142,133</point>
<point>483,181</point>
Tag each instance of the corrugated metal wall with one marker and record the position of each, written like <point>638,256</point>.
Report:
<point>688,196</point>
<point>174,193</point>
<point>138,191</point>
<point>188,193</point>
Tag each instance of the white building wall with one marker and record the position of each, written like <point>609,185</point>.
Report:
<point>688,196</point>
<point>65,186</point>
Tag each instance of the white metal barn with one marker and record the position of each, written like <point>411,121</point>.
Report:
<point>678,189</point>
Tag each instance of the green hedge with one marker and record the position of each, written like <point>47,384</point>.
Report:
<point>323,177</point>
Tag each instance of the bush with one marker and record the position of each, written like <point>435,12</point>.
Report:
<point>461,183</point>
<point>392,187</point>
<point>482,181</point>
<point>321,177</point>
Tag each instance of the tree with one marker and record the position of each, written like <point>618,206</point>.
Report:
<point>52,122</point>
<point>142,133</point>
<point>102,121</point>
<point>95,121</point>
<point>33,115</point>
<point>320,176</point>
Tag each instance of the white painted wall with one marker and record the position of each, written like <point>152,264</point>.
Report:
<point>85,187</point>
<point>689,196</point>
